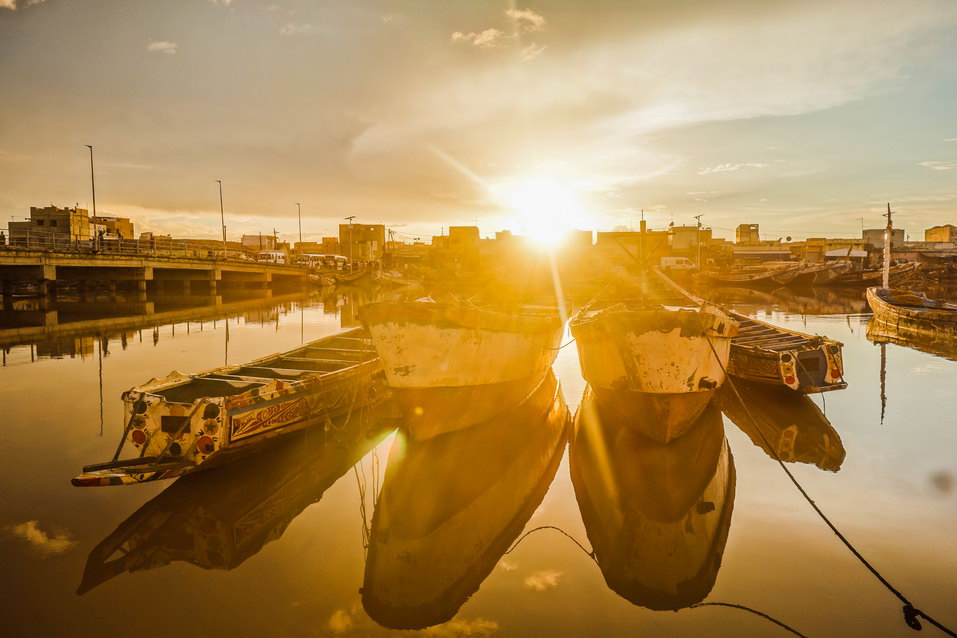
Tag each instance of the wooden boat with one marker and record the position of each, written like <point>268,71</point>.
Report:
<point>760,276</point>
<point>347,277</point>
<point>217,520</point>
<point>394,278</point>
<point>898,275</point>
<point>769,354</point>
<point>183,423</point>
<point>452,505</point>
<point>786,425</point>
<point>327,279</point>
<point>912,312</point>
<point>657,516</point>
<point>452,365</point>
<point>817,274</point>
<point>658,354</point>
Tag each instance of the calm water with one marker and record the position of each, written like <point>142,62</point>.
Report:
<point>276,546</point>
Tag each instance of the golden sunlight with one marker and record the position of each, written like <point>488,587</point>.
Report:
<point>545,209</point>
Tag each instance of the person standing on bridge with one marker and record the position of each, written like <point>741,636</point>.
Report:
<point>3,239</point>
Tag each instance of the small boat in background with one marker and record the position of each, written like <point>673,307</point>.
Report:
<point>451,506</point>
<point>899,274</point>
<point>769,354</point>
<point>184,423</point>
<point>395,278</point>
<point>657,516</point>
<point>787,426</point>
<point>351,277</point>
<point>908,311</point>
<point>757,276</point>
<point>657,354</point>
<point>818,274</point>
<point>451,365</point>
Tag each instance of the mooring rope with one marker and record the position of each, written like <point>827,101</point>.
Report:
<point>752,611</point>
<point>589,553</point>
<point>912,615</point>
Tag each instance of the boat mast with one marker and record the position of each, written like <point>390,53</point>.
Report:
<point>888,232</point>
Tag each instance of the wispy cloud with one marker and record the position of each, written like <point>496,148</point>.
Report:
<point>484,39</point>
<point>526,19</point>
<point>12,4</point>
<point>543,580</point>
<point>46,543</point>
<point>162,46</point>
<point>950,139</point>
<point>296,29</point>
<point>532,51</point>
<point>722,168</point>
<point>222,3</point>
<point>938,166</point>
<point>463,627</point>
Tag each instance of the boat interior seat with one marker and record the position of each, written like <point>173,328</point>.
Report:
<point>207,387</point>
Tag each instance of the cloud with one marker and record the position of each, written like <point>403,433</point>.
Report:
<point>526,19</point>
<point>484,40</point>
<point>461,627</point>
<point>46,543</point>
<point>722,168</point>
<point>296,29</point>
<point>531,51</point>
<point>222,3</point>
<point>938,166</point>
<point>162,46</point>
<point>340,622</point>
<point>507,564</point>
<point>543,580</point>
<point>950,139</point>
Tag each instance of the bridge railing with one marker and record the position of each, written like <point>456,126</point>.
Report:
<point>45,240</point>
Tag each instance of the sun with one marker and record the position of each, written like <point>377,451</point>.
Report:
<point>545,208</point>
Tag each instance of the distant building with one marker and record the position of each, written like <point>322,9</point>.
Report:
<point>114,227</point>
<point>687,237</point>
<point>259,242</point>
<point>464,238</point>
<point>944,234</point>
<point>52,224</point>
<point>875,237</point>
<point>747,234</point>
<point>362,242</point>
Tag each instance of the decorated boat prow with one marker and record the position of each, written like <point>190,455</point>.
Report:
<point>183,423</point>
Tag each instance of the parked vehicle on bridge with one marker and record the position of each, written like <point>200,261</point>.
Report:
<point>271,256</point>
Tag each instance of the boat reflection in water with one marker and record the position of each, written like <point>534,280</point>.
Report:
<point>657,515</point>
<point>942,343</point>
<point>787,425</point>
<point>219,518</point>
<point>451,505</point>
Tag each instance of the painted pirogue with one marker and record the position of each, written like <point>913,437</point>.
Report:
<point>182,423</point>
<point>657,515</point>
<point>643,355</point>
<point>452,364</point>
<point>764,353</point>
<point>912,312</point>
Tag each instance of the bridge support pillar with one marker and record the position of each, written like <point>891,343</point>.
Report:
<point>7,294</point>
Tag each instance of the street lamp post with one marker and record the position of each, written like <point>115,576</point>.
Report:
<point>299,207</point>
<point>92,181</point>
<point>698,239</point>
<point>350,218</point>
<point>222,216</point>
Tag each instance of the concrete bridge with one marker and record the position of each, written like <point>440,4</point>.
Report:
<point>139,272</point>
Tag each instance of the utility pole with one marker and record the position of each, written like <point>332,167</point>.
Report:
<point>888,233</point>
<point>350,218</point>
<point>222,216</point>
<point>92,179</point>
<point>299,206</point>
<point>861,219</point>
<point>698,241</point>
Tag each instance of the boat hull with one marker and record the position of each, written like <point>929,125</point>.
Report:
<point>909,312</point>
<point>663,365</point>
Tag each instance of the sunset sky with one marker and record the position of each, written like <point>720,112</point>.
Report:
<point>800,116</point>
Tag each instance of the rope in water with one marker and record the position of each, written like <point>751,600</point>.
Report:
<point>911,613</point>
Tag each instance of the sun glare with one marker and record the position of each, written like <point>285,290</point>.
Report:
<point>545,209</point>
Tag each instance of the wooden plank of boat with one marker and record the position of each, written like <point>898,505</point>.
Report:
<point>786,425</point>
<point>452,365</point>
<point>657,516</point>
<point>642,357</point>
<point>451,506</point>
<point>182,423</point>
<point>217,520</point>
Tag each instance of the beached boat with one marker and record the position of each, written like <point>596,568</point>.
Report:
<point>818,274</point>
<point>769,354</point>
<point>351,277</point>
<point>787,426</point>
<point>657,516</point>
<point>218,520</point>
<point>183,423</point>
<point>452,365</point>
<point>395,278</point>
<point>657,354</point>
<point>758,276</point>
<point>451,506</point>
<point>899,274</point>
